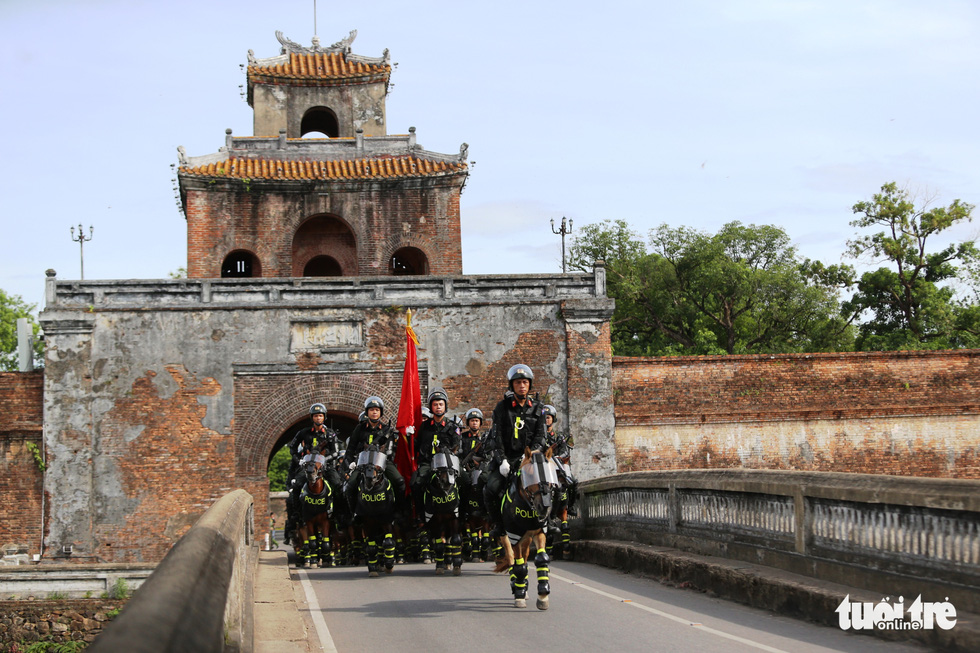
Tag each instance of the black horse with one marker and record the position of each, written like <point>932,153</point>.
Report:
<point>441,501</point>
<point>374,510</point>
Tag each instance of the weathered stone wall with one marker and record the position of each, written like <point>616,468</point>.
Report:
<point>162,396</point>
<point>904,413</point>
<point>71,620</point>
<point>21,423</point>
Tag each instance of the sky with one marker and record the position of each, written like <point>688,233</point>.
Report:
<point>692,113</point>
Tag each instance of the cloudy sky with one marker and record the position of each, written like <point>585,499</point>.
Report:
<point>697,113</point>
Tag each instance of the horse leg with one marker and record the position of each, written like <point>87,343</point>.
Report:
<point>467,544</point>
<point>456,553</point>
<point>298,538</point>
<point>440,550</point>
<point>541,561</point>
<point>389,545</point>
<point>426,553</point>
<point>372,557</point>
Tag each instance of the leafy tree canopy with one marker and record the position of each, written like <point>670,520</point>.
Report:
<point>13,307</point>
<point>909,302</point>
<point>741,290</point>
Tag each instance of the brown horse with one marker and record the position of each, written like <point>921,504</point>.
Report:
<point>316,507</point>
<point>525,509</point>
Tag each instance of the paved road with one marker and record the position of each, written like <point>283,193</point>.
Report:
<point>592,609</point>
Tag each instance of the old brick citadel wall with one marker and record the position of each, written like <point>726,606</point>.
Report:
<point>904,413</point>
<point>160,396</point>
<point>21,422</point>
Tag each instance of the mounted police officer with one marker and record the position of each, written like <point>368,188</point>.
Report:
<point>517,424</point>
<point>316,438</point>
<point>563,445</point>
<point>436,432</point>
<point>470,444</point>
<point>370,431</point>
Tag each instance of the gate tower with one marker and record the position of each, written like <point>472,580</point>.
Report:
<point>352,201</point>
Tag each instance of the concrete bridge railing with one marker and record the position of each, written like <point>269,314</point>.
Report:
<point>880,533</point>
<point>198,598</point>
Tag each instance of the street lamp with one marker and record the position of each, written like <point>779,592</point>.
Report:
<point>565,229</point>
<point>81,244</point>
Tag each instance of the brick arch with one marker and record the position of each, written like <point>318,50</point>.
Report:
<point>265,406</point>
<point>397,242</point>
<point>323,234</point>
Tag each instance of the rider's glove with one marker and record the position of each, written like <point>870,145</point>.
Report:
<point>504,468</point>
<point>409,430</point>
<point>352,466</point>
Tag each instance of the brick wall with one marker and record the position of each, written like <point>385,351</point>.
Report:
<point>21,489</point>
<point>378,218</point>
<point>908,413</point>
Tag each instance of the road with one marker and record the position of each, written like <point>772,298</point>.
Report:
<point>592,609</point>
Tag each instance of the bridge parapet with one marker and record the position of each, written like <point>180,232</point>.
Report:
<point>882,533</point>
<point>198,598</point>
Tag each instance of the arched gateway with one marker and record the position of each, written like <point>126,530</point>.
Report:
<point>161,395</point>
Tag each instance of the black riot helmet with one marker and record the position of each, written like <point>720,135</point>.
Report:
<point>471,413</point>
<point>519,371</point>
<point>550,410</point>
<point>374,402</point>
<point>318,408</point>
<point>435,395</point>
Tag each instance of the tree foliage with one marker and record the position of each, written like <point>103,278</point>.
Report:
<point>909,302</point>
<point>13,307</point>
<point>741,290</point>
<point>279,470</point>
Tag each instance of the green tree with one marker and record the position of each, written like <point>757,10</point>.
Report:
<point>13,307</point>
<point>279,470</point>
<point>742,290</point>
<point>910,300</point>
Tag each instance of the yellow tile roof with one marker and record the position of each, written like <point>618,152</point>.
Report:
<point>376,168</point>
<point>318,66</point>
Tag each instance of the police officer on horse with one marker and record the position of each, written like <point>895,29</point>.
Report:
<point>316,438</point>
<point>435,433</point>
<point>370,431</point>
<point>517,424</point>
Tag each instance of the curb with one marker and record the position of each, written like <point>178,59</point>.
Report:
<point>763,587</point>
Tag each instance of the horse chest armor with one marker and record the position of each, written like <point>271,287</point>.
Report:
<point>314,504</point>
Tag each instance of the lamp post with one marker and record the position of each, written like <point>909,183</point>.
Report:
<point>81,244</point>
<point>565,229</point>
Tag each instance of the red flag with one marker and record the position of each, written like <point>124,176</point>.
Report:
<point>409,408</point>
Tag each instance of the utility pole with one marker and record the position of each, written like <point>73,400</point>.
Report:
<point>81,244</point>
<point>565,229</point>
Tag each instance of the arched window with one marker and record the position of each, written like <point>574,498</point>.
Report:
<point>323,266</point>
<point>241,264</point>
<point>408,261</point>
<point>324,246</point>
<point>320,119</point>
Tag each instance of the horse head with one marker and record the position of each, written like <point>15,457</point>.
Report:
<point>445,470</point>
<point>372,463</point>
<point>538,479</point>
<point>313,467</point>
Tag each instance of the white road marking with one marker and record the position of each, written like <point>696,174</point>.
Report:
<point>667,615</point>
<point>326,641</point>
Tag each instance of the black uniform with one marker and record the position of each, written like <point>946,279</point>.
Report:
<point>515,427</point>
<point>364,435</point>
<point>563,450</point>
<point>434,434</point>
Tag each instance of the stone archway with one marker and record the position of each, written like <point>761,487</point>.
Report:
<point>267,405</point>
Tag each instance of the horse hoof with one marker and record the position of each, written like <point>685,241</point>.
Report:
<point>520,603</point>
<point>372,574</point>
<point>388,570</point>
<point>440,571</point>
<point>457,571</point>
<point>542,602</point>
